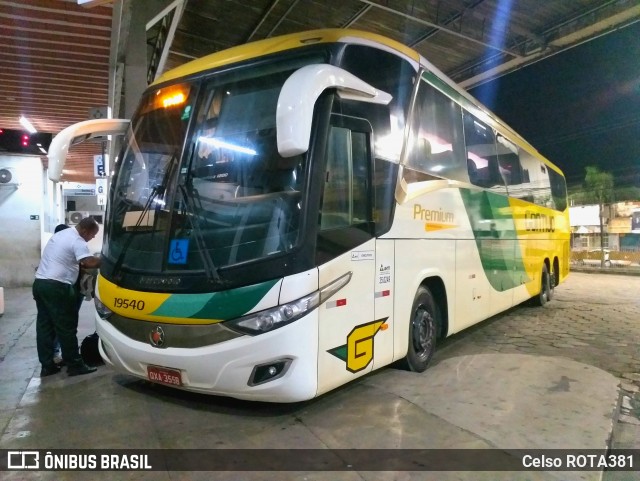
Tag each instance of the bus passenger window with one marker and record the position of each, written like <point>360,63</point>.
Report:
<point>542,191</point>
<point>558,189</point>
<point>537,177</point>
<point>437,141</point>
<point>511,170</point>
<point>482,157</point>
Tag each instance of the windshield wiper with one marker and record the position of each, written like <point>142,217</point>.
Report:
<point>156,191</point>
<point>211,271</point>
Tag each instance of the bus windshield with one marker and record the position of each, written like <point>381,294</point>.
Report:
<point>201,184</point>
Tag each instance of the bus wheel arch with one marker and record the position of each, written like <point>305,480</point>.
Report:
<point>427,324</point>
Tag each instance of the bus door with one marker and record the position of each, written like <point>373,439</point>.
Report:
<point>347,324</point>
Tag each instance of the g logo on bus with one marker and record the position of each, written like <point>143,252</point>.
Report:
<point>358,351</point>
<point>156,337</point>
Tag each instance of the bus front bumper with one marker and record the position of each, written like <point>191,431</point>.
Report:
<point>239,368</point>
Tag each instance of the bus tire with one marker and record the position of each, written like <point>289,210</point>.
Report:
<point>554,279</point>
<point>423,331</point>
<point>545,288</point>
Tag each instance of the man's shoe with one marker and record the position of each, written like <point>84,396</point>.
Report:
<point>49,370</point>
<point>80,369</point>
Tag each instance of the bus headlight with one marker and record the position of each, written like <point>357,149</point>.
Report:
<point>270,319</point>
<point>276,317</point>
<point>103,311</point>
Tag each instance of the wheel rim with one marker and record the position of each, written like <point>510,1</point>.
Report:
<point>422,338</point>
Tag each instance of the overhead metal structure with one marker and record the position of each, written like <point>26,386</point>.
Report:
<point>66,61</point>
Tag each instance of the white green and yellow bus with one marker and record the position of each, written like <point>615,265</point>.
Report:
<point>288,215</point>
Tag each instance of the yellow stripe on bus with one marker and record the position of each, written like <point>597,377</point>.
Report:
<point>431,226</point>
<point>272,45</point>
<point>139,305</point>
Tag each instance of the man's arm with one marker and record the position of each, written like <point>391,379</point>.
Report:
<point>91,262</point>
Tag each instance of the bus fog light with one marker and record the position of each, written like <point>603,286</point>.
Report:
<point>268,372</point>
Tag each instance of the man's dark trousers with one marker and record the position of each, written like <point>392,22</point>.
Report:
<point>57,305</point>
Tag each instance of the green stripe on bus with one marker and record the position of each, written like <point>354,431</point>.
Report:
<point>495,234</point>
<point>222,305</point>
<point>444,87</point>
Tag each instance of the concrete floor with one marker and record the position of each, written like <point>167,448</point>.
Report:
<point>478,394</point>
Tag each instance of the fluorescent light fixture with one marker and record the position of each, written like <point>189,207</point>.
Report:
<point>226,145</point>
<point>93,3</point>
<point>27,125</point>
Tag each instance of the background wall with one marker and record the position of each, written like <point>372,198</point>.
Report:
<point>88,205</point>
<point>20,199</point>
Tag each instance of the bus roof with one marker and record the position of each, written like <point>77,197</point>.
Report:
<point>279,44</point>
<point>282,43</point>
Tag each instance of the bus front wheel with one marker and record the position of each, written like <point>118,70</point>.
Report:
<point>423,330</point>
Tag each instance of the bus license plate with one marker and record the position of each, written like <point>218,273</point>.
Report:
<point>163,375</point>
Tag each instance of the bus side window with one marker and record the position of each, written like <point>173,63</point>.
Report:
<point>538,180</point>
<point>346,204</point>
<point>542,193</point>
<point>437,139</point>
<point>511,170</point>
<point>345,198</point>
<point>558,189</point>
<point>384,181</point>
<point>482,157</point>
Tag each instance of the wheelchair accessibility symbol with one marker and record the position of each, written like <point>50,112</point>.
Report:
<point>178,251</point>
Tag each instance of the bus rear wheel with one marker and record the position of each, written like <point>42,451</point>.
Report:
<point>545,288</point>
<point>554,278</point>
<point>423,331</point>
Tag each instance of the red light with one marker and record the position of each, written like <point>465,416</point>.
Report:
<point>25,140</point>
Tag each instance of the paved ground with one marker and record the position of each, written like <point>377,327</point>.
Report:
<point>593,319</point>
<point>530,378</point>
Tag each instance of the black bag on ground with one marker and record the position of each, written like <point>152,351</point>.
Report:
<point>89,350</point>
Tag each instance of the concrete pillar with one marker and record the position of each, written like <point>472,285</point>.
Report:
<point>129,62</point>
<point>135,63</point>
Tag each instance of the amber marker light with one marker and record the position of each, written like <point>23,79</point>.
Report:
<point>173,99</point>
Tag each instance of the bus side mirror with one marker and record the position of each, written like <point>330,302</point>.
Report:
<point>76,133</point>
<point>298,96</point>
